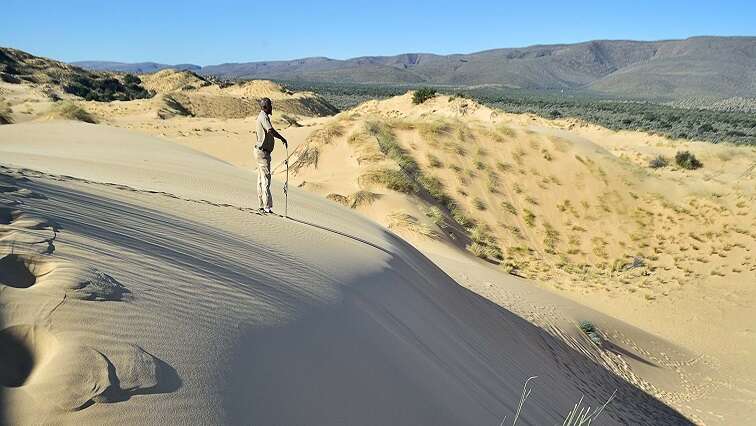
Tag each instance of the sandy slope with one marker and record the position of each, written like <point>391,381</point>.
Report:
<point>595,208</point>
<point>142,290</point>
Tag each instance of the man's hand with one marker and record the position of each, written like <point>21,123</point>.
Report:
<point>286,144</point>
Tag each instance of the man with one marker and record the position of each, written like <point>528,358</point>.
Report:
<point>265,142</point>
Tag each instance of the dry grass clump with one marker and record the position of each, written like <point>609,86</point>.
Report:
<point>529,217</point>
<point>405,221</point>
<point>362,198</point>
<point>433,186</point>
<point>306,156</point>
<point>395,180</point>
<point>479,204</point>
<point>508,207</point>
<point>338,198</point>
<point>484,245</point>
<point>505,130</point>
<point>436,216</point>
<point>364,147</point>
<point>389,146</point>
<point>432,130</point>
<point>327,134</point>
<point>70,111</point>
<point>434,162</point>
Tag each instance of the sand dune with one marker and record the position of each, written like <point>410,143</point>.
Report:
<point>139,287</point>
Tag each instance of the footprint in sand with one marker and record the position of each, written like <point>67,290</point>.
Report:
<point>71,376</point>
<point>44,274</point>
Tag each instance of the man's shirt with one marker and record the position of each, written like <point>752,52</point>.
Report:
<point>264,139</point>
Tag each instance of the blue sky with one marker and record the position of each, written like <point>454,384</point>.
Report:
<point>216,31</point>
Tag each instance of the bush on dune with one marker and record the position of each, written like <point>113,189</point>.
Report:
<point>423,94</point>
<point>70,111</point>
<point>658,162</point>
<point>687,160</point>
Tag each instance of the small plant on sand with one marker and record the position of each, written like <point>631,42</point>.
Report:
<point>508,207</point>
<point>479,204</point>
<point>423,94</point>
<point>433,185</point>
<point>529,218</point>
<point>338,198</point>
<point>405,221</point>
<point>436,216</point>
<point>590,330</point>
<point>504,167</point>
<point>433,161</point>
<point>658,162</point>
<point>687,160</point>
<point>459,216</point>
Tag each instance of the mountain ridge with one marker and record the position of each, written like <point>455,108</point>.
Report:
<point>696,66</point>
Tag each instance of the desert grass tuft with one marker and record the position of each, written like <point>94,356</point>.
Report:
<point>394,180</point>
<point>306,156</point>
<point>362,198</point>
<point>70,111</point>
<point>338,198</point>
<point>405,221</point>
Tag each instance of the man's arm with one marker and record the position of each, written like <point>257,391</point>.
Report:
<point>275,134</point>
<point>271,131</point>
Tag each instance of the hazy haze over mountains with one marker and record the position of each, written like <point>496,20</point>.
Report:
<point>698,66</point>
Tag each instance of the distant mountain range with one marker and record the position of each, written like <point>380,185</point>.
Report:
<point>670,69</point>
<point>134,68</point>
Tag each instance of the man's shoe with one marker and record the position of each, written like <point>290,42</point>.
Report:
<point>267,210</point>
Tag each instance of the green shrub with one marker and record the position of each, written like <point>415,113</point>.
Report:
<point>395,180</point>
<point>423,94</point>
<point>590,330</point>
<point>687,160</point>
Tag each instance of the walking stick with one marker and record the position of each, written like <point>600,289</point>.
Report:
<point>286,184</point>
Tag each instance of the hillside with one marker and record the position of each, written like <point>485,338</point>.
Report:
<point>670,69</point>
<point>57,79</point>
<point>35,88</point>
